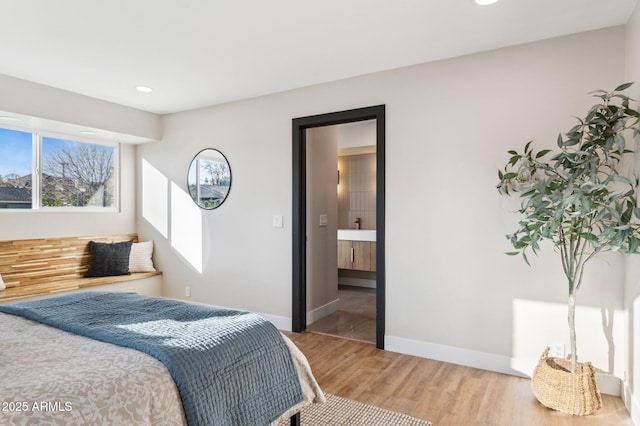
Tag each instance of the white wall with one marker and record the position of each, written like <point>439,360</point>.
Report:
<point>448,281</point>
<point>632,276</point>
<point>451,292</point>
<point>48,103</point>
<point>322,199</point>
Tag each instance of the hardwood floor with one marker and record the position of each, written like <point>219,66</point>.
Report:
<point>445,394</point>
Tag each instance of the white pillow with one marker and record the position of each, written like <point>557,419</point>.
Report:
<point>2,286</point>
<point>140,257</point>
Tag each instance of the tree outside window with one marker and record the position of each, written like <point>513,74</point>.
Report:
<point>77,174</point>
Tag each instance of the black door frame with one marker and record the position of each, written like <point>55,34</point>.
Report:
<point>299,216</point>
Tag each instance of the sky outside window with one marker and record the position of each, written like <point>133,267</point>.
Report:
<point>16,153</point>
<point>51,145</point>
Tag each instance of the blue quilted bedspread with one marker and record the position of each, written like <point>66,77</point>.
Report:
<point>230,367</point>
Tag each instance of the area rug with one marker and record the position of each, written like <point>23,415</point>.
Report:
<point>340,411</point>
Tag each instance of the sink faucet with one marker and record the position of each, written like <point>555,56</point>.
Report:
<point>358,222</point>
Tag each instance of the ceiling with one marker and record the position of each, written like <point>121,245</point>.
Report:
<point>196,53</point>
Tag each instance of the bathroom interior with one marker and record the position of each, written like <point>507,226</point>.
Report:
<point>341,230</point>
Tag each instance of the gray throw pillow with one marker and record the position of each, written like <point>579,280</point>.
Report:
<point>108,259</point>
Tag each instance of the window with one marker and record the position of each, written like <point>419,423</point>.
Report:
<point>77,174</point>
<point>63,174</point>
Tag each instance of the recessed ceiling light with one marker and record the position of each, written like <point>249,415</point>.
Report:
<point>144,89</point>
<point>485,2</point>
<point>88,132</point>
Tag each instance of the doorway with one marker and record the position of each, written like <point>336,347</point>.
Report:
<point>299,216</point>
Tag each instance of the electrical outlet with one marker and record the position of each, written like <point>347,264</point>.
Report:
<point>187,291</point>
<point>557,350</point>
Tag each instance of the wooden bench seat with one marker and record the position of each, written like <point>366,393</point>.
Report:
<point>44,266</point>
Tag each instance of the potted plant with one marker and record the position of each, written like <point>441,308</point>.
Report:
<point>578,199</point>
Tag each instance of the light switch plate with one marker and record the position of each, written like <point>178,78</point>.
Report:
<point>278,221</point>
<point>323,220</point>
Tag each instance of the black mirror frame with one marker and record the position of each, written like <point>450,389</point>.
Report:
<point>191,164</point>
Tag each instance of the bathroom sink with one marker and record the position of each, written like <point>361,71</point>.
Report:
<point>357,234</point>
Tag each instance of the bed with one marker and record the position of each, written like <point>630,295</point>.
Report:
<point>122,358</point>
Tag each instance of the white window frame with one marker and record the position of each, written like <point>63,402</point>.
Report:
<point>36,170</point>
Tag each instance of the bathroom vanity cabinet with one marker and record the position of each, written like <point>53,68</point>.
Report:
<point>357,255</point>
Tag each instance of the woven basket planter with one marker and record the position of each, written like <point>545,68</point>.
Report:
<point>556,388</point>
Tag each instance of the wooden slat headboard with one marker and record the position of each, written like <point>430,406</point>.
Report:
<point>47,260</point>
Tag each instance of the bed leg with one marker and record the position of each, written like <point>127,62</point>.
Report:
<point>295,419</point>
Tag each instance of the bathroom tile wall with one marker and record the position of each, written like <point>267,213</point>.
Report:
<point>357,191</point>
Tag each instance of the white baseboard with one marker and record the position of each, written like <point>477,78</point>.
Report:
<point>607,383</point>
<point>632,402</point>
<point>451,354</point>
<point>322,311</point>
<point>281,323</point>
<point>284,323</point>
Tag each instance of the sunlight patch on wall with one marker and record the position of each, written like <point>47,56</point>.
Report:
<point>186,227</point>
<point>537,325</point>
<point>155,199</point>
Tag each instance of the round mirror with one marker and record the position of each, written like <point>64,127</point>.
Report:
<point>209,178</point>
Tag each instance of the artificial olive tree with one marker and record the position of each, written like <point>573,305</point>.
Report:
<point>578,198</point>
